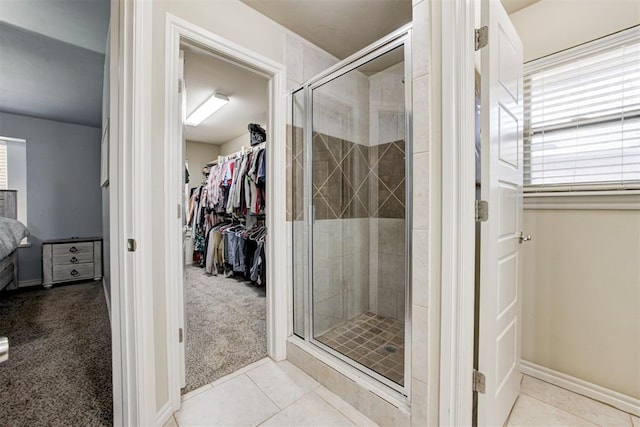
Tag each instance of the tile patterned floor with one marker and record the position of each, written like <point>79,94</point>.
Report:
<point>266,393</point>
<point>543,404</point>
<point>374,341</point>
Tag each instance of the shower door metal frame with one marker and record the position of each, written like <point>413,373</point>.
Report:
<point>400,37</point>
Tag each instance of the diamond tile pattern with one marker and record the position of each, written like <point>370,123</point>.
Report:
<point>349,180</point>
<point>355,181</point>
<point>374,341</point>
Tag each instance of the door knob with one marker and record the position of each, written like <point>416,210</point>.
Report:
<point>524,237</point>
<point>4,349</point>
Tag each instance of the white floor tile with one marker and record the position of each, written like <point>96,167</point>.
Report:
<point>282,382</point>
<point>635,421</point>
<point>357,417</point>
<point>237,402</point>
<point>310,410</point>
<point>575,404</point>
<point>171,422</point>
<point>196,392</point>
<point>531,412</point>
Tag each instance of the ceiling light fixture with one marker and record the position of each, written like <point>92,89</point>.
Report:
<point>207,108</point>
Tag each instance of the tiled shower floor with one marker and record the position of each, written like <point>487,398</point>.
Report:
<point>374,341</point>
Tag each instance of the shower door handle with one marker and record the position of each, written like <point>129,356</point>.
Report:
<point>4,349</point>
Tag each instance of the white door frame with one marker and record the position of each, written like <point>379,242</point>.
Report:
<point>276,245</point>
<point>458,212</point>
<point>129,213</point>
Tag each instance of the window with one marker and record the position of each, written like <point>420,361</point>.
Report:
<point>4,185</point>
<point>582,117</point>
<point>13,171</point>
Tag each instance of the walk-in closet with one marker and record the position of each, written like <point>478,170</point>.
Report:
<point>224,110</point>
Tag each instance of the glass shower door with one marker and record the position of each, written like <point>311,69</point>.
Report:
<point>359,228</point>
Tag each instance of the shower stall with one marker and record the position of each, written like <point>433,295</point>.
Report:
<point>350,165</point>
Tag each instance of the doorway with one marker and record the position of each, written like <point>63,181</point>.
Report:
<point>179,32</point>
<point>225,283</point>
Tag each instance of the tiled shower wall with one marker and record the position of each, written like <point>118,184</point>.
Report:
<point>358,195</point>
<point>387,226</point>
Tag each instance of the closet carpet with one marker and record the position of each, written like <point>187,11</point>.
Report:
<point>59,367</point>
<point>226,326</point>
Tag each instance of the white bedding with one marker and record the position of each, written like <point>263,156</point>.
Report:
<point>11,234</point>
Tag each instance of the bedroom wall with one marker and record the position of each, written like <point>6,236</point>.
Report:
<point>63,189</point>
<point>235,144</point>
<point>199,154</point>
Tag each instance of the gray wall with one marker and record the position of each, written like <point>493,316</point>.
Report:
<point>63,189</point>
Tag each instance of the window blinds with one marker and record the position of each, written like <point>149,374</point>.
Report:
<point>3,166</point>
<point>582,116</point>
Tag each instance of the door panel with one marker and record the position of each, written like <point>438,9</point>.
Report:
<point>501,117</point>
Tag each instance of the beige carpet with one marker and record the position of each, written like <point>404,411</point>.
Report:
<point>226,326</point>
<point>59,367</point>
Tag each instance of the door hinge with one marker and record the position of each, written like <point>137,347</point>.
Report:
<point>478,381</point>
<point>179,210</point>
<point>482,210</point>
<point>131,245</point>
<point>180,84</point>
<point>482,37</point>
<point>180,335</point>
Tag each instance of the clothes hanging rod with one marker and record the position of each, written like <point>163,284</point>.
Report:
<point>240,152</point>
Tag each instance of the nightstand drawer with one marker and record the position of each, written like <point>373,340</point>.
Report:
<point>72,272</point>
<point>70,260</point>
<point>78,258</point>
<point>73,248</point>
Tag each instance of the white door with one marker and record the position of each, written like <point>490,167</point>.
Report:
<point>183,337</point>
<point>501,118</point>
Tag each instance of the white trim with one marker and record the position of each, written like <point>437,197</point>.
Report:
<point>458,225</point>
<point>585,388</point>
<point>276,246</point>
<point>625,36</point>
<point>164,413</point>
<point>106,297</point>
<point>129,213</point>
<point>602,200</point>
<point>32,282</point>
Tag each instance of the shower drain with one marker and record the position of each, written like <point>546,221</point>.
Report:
<point>390,348</point>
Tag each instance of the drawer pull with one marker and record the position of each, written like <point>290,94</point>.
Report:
<point>73,260</point>
<point>74,272</point>
<point>73,250</point>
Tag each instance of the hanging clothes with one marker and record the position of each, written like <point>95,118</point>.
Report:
<point>225,213</point>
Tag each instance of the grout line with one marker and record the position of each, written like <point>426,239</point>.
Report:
<point>266,394</point>
<point>338,409</point>
<point>290,404</point>
<point>560,409</point>
<point>581,396</point>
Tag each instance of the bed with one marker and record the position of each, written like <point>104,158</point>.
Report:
<point>12,232</point>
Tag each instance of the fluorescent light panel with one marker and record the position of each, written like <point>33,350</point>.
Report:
<point>207,108</point>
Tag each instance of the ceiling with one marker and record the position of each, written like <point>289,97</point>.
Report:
<point>342,27</point>
<point>53,51</point>
<point>205,74</point>
<point>53,59</point>
<point>512,6</point>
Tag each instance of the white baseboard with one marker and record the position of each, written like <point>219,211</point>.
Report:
<point>33,282</point>
<point>576,385</point>
<point>107,297</point>
<point>163,415</point>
